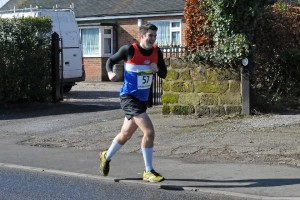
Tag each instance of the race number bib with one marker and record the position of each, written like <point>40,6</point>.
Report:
<point>144,79</point>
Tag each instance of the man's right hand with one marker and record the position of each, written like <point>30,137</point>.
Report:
<point>112,76</point>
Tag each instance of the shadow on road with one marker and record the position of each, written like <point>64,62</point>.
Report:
<point>30,110</point>
<point>91,94</point>
<point>243,183</point>
<point>205,183</point>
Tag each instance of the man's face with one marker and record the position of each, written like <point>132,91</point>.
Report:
<point>148,40</point>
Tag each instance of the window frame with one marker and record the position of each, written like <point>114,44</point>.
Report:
<point>101,38</point>
<point>105,36</point>
<point>172,29</point>
<point>175,29</point>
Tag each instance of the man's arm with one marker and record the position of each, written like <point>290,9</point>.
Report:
<point>162,72</point>
<point>115,59</point>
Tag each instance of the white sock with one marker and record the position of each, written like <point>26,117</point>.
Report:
<point>114,147</point>
<point>148,155</point>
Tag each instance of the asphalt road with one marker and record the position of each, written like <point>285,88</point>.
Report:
<point>26,185</point>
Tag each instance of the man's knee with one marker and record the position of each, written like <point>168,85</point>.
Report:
<point>149,134</point>
<point>125,135</point>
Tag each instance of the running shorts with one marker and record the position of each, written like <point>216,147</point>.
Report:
<point>132,106</point>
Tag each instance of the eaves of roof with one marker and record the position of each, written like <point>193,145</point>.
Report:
<point>132,15</point>
<point>106,17</point>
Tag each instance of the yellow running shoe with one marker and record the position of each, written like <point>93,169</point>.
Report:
<point>104,164</point>
<point>153,177</point>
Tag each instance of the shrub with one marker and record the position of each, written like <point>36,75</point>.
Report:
<point>195,19</point>
<point>222,30</point>
<point>275,78</point>
<point>25,59</point>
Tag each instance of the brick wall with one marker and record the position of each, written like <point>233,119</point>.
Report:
<point>95,69</point>
<point>127,32</point>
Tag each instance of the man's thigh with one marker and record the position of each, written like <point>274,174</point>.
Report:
<point>144,122</point>
<point>129,126</point>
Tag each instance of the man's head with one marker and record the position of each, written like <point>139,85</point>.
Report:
<point>144,28</point>
<point>148,35</point>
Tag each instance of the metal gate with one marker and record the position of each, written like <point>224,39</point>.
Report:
<point>57,71</point>
<point>157,90</point>
<point>168,52</point>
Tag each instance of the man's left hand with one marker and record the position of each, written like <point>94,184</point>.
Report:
<point>154,67</point>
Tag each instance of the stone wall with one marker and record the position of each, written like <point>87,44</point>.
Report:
<point>201,90</point>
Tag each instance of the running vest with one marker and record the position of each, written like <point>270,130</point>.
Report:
<point>138,75</point>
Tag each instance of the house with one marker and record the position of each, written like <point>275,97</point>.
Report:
<point>3,2</point>
<point>107,25</point>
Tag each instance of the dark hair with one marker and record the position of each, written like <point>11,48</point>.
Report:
<point>144,28</point>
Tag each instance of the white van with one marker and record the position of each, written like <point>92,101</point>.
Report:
<point>63,23</point>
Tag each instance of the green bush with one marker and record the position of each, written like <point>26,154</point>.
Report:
<point>25,59</point>
<point>230,24</point>
<point>289,65</point>
<point>221,33</point>
<point>275,76</point>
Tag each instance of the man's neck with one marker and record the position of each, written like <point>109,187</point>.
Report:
<point>142,46</point>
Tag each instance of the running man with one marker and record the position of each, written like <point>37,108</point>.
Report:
<point>142,61</point>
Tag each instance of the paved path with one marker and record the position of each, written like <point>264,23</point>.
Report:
<point>247,181</point>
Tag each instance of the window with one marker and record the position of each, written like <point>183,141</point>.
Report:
<point>90,41</point>
<point>96,41</point>
<point>169,32</point>
<point>107,41</point>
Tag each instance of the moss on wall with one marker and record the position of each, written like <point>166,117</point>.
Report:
<point>201,90</point>
<point>182,110</point>
<point>212,87</point>
<point>234,86</point>
<point>185,75</point>
<point>166,109</point>
<point>181,86</point>
<point>189,99</point>
<point>209,99</point>
<point>169,98</point>
<point>172,75</point>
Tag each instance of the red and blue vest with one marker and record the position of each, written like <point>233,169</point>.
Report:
<point>138,74</point>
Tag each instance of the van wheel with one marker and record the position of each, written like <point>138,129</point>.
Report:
<point>67,88</point>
